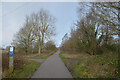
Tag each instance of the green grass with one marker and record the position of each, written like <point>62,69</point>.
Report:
<point>30,68</point>
<point>27,70</point>
<point>80,71</point>
<point>99,66</point>
<point>41,56</point>
<point>64,57</point>
<point>95,66</point>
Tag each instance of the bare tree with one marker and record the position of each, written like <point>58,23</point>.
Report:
<point>97,27</point>
<point>25,37</point>
<point>37,28</point>
<point>45,27</point>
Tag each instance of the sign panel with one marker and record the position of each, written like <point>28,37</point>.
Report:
<point>11,53</point>
<point>11,49</point>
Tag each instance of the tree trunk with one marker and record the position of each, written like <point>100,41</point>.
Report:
<point>42,42</point>
<point>39,51</point>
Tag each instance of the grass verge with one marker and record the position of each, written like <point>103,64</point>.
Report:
<point>41,56</point>
<point>62,56</point>
<point>26,71</point>
<point>95,66</point>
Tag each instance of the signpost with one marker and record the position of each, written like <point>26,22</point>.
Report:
<point>11,61</point>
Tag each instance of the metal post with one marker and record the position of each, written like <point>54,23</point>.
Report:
<point>11,60</point>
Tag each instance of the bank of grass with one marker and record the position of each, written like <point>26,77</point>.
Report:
<point>41,56</point>
<point>73,55</point>
<point>95,66</point>
<point>62,56</point>
<point>26,71</point>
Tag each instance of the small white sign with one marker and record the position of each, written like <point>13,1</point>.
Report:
<point>11,48</point>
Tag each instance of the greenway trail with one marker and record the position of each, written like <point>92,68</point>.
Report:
<point>53,67</point>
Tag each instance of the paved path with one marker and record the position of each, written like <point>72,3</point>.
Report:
<point>53,67</point>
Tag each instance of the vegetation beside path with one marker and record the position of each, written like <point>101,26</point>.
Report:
<point>22,68</point>
<point>26,71</point>
<point>41,56</point>
<point>94,66</point>
<point>95,37</point>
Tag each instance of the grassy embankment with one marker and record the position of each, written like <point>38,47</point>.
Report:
<point>93,66</point>
<point>26,71</point>
<point>31,67</point>
<point>22,68</point>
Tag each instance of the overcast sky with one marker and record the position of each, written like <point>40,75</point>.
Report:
<point>13,17</point>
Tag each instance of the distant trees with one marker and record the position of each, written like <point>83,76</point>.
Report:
<point>96,29</point>
<point>50,45</point>
<point>37,28</point>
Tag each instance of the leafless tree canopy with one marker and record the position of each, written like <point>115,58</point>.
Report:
<point>97,27</point>
<point>37,28</point>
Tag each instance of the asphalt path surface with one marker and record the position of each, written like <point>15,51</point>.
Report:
<point>53,67</point>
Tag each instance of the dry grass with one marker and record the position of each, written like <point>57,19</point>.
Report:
<point>18,63</point>
<point>44,52</point>
<point>76,55</point>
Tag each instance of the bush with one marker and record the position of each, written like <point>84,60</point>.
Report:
<point>99,50</point>
<point>96,66</point>
<point>50,46</point>
<point>18,63</point>
<point>113,47</point>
